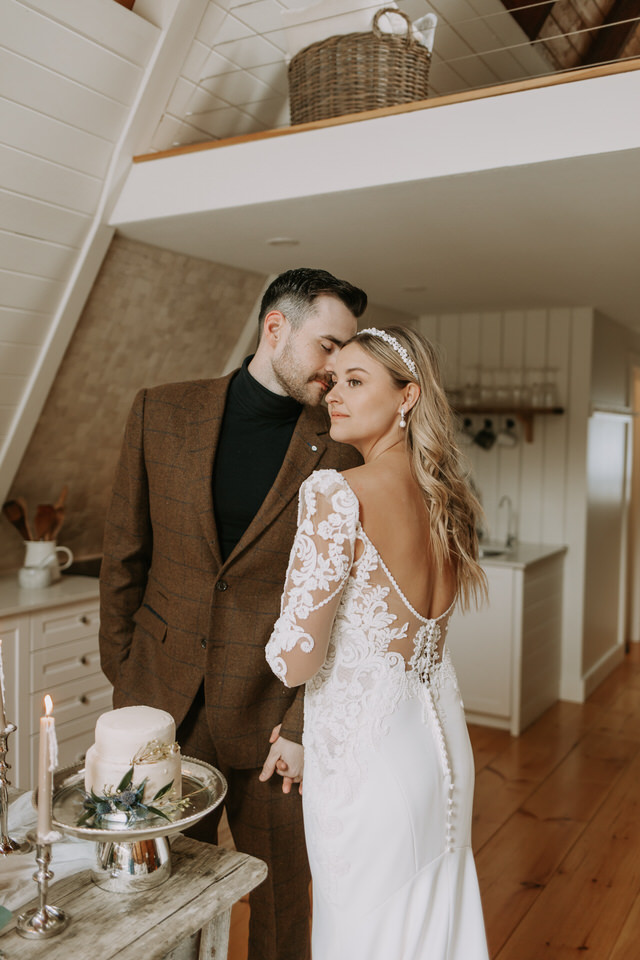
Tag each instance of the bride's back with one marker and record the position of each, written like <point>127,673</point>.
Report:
<point>395,519</point>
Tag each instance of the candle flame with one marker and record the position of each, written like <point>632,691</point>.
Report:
<point>48,705</point>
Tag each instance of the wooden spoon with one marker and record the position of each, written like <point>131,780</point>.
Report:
<point>23,504</point>
<point>59,504</point>
<point>46,519</point>
<point>15,514</point>
<point>59,508</point>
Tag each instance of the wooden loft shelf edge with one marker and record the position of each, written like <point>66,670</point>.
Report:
<point>478,93</point>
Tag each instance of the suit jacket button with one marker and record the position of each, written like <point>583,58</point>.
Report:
<point>203,643</point>
<point>221,585</point>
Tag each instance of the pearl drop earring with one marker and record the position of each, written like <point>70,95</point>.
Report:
<point>403,422</point>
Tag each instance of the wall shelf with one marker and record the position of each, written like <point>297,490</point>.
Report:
<point>524,414</point>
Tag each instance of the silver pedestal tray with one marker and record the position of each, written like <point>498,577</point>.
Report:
<point>135,857</point>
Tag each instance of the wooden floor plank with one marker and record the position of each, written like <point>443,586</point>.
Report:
<point>496,799</point>
<point>487,743</point>
<point>627,945</point>
<point>578,786</point>
<point>585,904</point>
<point>515,866</point>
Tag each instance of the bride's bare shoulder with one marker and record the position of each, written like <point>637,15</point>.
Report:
<point>361,479</point>
<point>374,481</point>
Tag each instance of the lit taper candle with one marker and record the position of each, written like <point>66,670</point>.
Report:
<point>47,762</point>
<point>3,715</point>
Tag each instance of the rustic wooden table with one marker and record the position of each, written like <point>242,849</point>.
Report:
<point>185,917</point>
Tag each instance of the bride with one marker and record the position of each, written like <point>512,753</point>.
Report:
<point>382,554</point>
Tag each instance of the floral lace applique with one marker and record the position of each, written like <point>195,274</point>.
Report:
<point>339,623</point>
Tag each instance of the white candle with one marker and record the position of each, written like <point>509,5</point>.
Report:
<point>47,761</point>
<point>3,715</point>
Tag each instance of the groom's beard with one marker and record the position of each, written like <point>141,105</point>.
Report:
<point>308,389</point>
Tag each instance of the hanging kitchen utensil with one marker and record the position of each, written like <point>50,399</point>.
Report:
<point>486,437</point>
<point>15,514</point>
<point>507,436</point>
<point>45,521</point>
<point>467,434</point>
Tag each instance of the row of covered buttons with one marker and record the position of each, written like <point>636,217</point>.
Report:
<point>221,585</point>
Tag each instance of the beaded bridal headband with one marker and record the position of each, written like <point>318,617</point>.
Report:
<point>397,346</point>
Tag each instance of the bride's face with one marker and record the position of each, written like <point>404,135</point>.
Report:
<point>364,402</point>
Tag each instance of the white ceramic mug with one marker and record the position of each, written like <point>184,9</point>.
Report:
<point>34,578</point>
<point>44,553</point>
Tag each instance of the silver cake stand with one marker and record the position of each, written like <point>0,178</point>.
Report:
<point>136,857</point>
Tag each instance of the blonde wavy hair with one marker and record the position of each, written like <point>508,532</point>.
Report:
<point>436,460</point>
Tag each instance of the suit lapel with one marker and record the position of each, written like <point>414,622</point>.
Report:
<point>308,444</point>
<point>202,440</point>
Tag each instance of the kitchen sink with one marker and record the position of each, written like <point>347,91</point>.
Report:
<point>492,551</point>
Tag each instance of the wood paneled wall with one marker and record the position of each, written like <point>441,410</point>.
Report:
<point>533,474</point>
<point>546,479</point>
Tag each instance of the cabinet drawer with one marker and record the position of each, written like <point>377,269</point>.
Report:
<point>64,624</point>
<point>64,662</point>
<point>74,700</point>
<point>74,739</point>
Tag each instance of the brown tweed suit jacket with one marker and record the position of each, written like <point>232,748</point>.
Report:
<point>172,613</point>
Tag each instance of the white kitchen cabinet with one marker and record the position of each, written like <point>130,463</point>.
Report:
<point>50,645</point>
<point>507,654</point>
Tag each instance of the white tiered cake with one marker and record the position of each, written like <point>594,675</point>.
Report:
<point>138,737</point>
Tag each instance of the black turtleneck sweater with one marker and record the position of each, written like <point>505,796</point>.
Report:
<point>256,429</point>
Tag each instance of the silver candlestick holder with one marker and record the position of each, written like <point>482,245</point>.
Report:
<point>7,844</point>
<point>44,920</point>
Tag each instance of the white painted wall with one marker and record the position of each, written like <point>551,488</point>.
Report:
<point>546,479</point>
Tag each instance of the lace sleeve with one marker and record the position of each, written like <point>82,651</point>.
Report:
<point>320,561</point>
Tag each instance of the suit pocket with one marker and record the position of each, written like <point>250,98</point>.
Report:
<point>151,622</point>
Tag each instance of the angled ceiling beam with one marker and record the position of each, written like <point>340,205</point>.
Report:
<point>612,39</point>
<point>530,18</point>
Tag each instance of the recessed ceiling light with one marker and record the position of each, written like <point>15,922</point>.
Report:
<point>283,242</point>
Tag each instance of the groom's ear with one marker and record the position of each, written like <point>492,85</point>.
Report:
<point>275,324</point>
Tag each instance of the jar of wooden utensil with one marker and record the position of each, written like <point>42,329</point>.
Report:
<point>44,555</point>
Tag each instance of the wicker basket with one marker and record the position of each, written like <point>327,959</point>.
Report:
<point>356,72</point>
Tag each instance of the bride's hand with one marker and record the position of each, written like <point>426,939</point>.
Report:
<point>285,758</point>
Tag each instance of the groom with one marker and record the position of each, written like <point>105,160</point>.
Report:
<point>197,541</point>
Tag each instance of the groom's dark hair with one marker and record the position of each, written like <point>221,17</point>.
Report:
<point>294,293</point>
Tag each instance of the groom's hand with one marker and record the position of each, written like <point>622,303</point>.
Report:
<point>285,758</point>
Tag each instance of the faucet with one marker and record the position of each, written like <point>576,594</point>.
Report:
<point>510,538</point>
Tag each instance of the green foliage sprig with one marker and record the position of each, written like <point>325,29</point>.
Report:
<point>127,799</point>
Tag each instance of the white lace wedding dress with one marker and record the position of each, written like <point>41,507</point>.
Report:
<point>388,776</point>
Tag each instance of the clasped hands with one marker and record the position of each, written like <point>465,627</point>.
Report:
<point>285,758</point>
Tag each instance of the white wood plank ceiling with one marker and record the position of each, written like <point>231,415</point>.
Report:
<point>70,72</point>
<point>234,79</point>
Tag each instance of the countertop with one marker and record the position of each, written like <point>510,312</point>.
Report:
<point>522,555</point>
<point>69,589</point>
